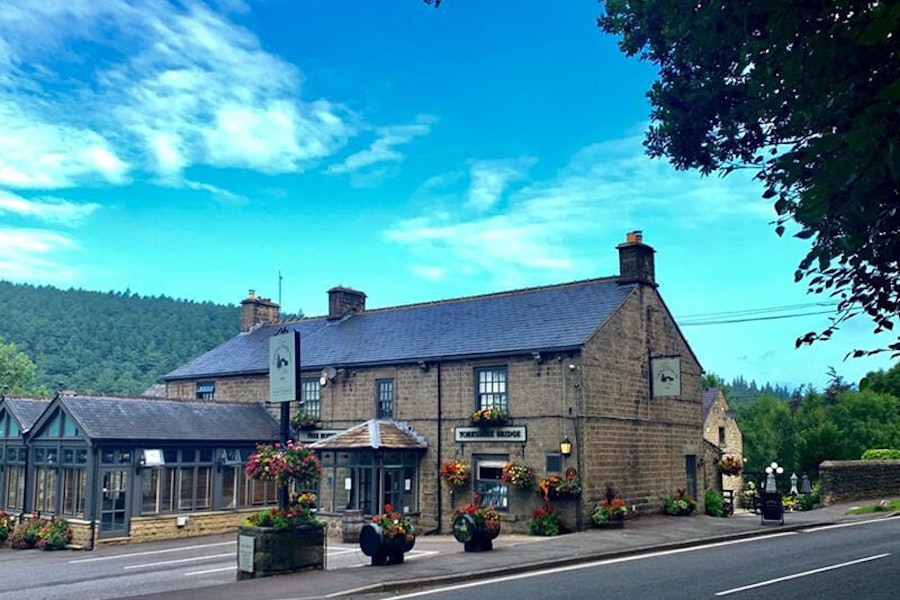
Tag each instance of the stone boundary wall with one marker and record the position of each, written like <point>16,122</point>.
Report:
<point>846,480</point>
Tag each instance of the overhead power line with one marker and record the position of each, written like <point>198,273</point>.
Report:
<point>755,314</point>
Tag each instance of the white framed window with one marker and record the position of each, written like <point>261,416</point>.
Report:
<point>490,388</point>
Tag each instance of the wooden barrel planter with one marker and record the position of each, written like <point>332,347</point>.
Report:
<point>474,536</point>
<point>382,549</point>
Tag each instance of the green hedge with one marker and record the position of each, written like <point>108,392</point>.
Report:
<point>881,454</point>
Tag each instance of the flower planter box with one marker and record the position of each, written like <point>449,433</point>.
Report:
<point>279,551</point>
<point>614,522</point>
<point>383,550</point>
<point>473,535</point>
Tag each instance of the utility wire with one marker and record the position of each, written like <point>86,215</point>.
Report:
<point>752,311</point>
<point>744,320</point>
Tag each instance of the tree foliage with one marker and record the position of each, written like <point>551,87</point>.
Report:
<point>16,371</point>
<point>840,423</point>
<point>808,95</point>
<point>114,343</point>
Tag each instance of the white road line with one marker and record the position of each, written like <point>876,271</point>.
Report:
<point>803,574</point>
<point>149,552</point>
<point>589,565</point>
<point>210,571</point>
<point>181,560</point>
<point>841,525</point>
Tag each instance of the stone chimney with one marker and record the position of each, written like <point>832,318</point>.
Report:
<point>343,301</point>
<point>256,310</point>
<point>636,260</point>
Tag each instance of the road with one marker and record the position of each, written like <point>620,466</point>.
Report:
<point>130,570</point>
<point>859,561</point>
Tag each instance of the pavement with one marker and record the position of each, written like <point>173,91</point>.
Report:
<point>440,560</point>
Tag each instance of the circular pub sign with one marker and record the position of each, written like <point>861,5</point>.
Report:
<point>464,528</point>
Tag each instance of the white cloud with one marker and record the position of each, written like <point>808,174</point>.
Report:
<point>604,190</point>
<point>167,85</point>
<point>220,194</point>
<point>383,149</point>
<point>29,255</point>
<point>490,178</point>
<point>47,208</point>
<point>38,155</point>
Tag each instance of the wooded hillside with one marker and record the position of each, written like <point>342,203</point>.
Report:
<point>114,343</point>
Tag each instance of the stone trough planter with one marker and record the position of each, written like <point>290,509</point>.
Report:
<point>265,551</point>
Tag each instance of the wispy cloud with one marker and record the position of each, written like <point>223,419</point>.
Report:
<point>490,178</point>
<point>31,254</point>
<point>47,209</point>
<point>384,148</point>
<point>605,188</point>
<point>168,85</point>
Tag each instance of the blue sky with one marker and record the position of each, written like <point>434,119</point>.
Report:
<point>198,149</point>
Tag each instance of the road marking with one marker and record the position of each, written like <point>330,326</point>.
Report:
<point>149,552</point>
<point>803,574</point>
<point>841,525</point>
<point>180,560</point>
<point>598,563</point>
<point>210,571</point>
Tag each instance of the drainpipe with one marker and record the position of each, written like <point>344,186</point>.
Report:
<point>440,411</point>
<point>439,495</point>
<point>95,496</point>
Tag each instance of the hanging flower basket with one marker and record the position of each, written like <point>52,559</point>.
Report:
<point>731,465</point>
<point>517,475</point>
<point>283,464</point>
<point>556,487</point>
<point>455,473</point>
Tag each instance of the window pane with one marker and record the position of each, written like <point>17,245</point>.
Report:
<point>487,482</point>
<point>203,492</point>
<point>187,483</point>
<point>311,395</point>
<point>491,388</point>
<point>150,489</point>
<point>229,487</point>
<point>384,389</point>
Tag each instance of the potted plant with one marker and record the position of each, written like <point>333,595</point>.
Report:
<point>730,465</point>
<point>303,421</point>
<point>611,510</point>
<point>476,526</point>
<point>546,520</point>
<point>387,537</point>
<point>491,416</point>
<point>286,539</point>
<point>517,475</point>
<point>455,473</point>
<point>681,504</point>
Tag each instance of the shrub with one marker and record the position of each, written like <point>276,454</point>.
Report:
<point>35,532</point>
<point>715,506</point>
<point>546,521</point>
<point>881,454</point>
<point>6,525</point>
<point>296,517</point>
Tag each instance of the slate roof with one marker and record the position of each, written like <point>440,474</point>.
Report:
<point>375,434</point>
<point>104,418</point>
<point>26,410</point>
<point>708,400</point>
<point>543,319</point>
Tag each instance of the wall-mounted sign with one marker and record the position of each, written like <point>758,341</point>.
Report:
<point>490,434</point>
<point>666,373</point>
<point>284,366</point>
